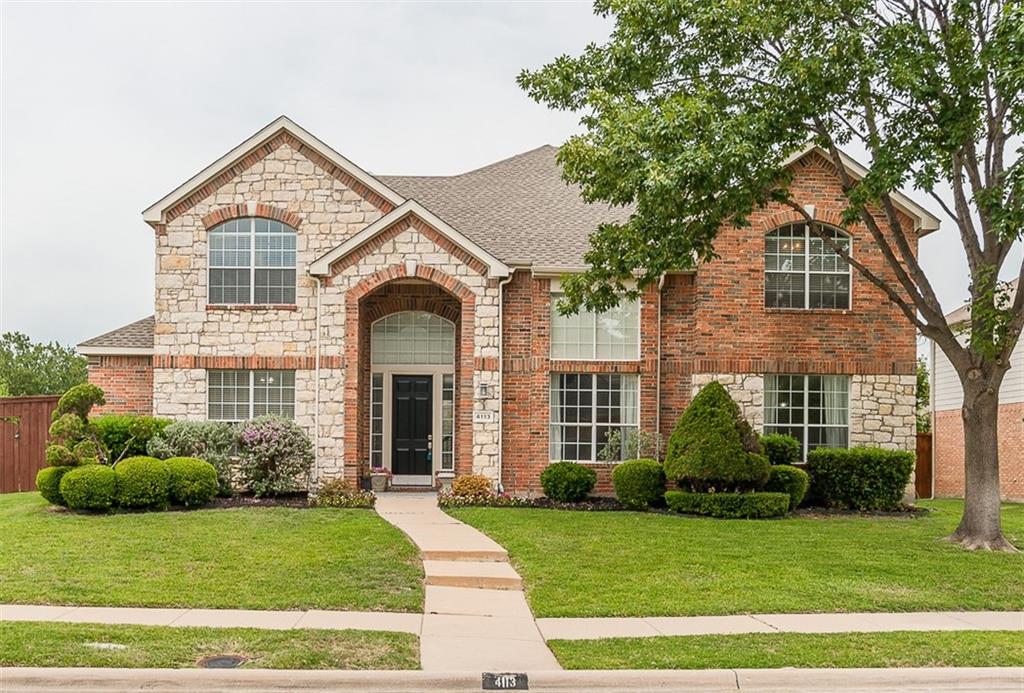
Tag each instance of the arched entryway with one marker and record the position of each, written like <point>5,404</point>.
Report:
<point>413,416</point>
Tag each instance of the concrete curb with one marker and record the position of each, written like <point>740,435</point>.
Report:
<point>32,680</point>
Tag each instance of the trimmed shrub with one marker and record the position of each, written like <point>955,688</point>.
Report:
<point>59,456</point>
<point>471,485</point>
<point>276,455</point>
<point>143,482</point>
<point>193,482</point>
<point>72,438</point>
<point>79,400</point>
<point>859,478</point>
<point>784,478</point>
<point>639,484</point>
<point>48,483</point>
<point>491,499</point>
<point>713,446</point>
<point>729,505</point>
<point>127,435</point>
<point>781,449</point>
<point>89,487</point>
<point>213,441</point>
<point>339,493</point>
<point>567,482</point>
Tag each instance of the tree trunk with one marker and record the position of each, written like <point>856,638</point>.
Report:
<point>981,527</point>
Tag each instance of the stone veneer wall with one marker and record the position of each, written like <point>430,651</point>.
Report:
<point>881,406</point>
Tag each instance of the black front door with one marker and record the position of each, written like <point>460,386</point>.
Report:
<point>412,424</point>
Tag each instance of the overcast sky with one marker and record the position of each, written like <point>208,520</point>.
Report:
<point>104,108</point>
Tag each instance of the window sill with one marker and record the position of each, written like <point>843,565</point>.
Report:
<point>251,306</point>
<point>810,311</point>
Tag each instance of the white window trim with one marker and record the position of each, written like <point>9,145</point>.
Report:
<point>807,271</point>
<point>252,392</point>
<point>806,425</point>
<point>593,416</point>
<point>595,358</point>
<point>252,264</point>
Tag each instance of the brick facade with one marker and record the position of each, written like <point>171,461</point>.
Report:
<point>948,452</point>
<point>711,324</point>
<point>127,382</point>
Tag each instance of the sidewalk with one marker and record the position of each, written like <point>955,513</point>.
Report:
<point>287,681</point>
<point>476,616</point>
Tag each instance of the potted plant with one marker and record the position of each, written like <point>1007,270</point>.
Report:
<point>380,478</point>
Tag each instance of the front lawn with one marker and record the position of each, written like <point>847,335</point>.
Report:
<point>649,564</point>
<point>244,558</point>
<point>34,644</point>
<point>776,650</point>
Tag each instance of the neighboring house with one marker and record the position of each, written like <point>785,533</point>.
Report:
<point>409,321</point>
<point>948,426</point>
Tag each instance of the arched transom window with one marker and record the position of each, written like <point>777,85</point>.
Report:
<point>802,270</point>
<point>412,338</point>
<point>252,260</point>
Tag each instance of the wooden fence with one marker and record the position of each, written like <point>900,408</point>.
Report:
<point>923,469</point>
<point>24,422</point>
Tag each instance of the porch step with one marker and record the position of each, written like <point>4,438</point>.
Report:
<point>479,574</point>
<point>482,555</point>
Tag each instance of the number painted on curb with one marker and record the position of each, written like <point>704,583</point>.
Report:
<point>505,682</point>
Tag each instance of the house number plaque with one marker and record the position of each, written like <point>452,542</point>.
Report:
<point>505,682</point>
<point>483,416</point>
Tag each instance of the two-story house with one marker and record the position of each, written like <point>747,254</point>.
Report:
<point>409,322</point>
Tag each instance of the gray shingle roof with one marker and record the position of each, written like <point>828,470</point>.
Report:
<point>137,335</point>
<point>518,209</point>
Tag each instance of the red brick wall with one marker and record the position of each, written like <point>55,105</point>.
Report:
<point>948,448</point>
<point>127,382</point>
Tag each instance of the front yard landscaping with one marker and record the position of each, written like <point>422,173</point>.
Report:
<point>652,564</point>
<point>35,644</point>
<point>244,558</point>
<point>776,650</point>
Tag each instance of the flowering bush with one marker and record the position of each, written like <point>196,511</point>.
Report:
<point>213,441</point>
<point>491,499</point>
<point>276,455</point>
<point>339,493</point>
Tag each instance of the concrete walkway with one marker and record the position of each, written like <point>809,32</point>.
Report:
<point>477,618</point>
<point>216,618</point>
<point>593,628</point>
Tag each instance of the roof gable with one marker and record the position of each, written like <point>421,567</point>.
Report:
<point>154,215</point>
<point>322,265</point>
<point>924,221</point>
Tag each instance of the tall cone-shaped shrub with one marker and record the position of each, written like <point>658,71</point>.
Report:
<point>713,447</point>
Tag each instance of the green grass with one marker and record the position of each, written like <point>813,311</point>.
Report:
<point>651,564</point>
<point>776,650</point>
<point>246,558</point>
<point>34,644</point>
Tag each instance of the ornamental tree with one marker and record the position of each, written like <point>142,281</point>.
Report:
<point>691,107</point>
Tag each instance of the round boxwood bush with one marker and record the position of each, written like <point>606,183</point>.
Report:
<point>89,487</point>
<point>48,483</point>
<point>143,482</point>
<point>639,483</point>
<point>713,446</point>
<point>567,482</point>
<point>786,479</point>
<point>193,481</point>
<point>781,449</point>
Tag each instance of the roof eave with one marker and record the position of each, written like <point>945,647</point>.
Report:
<point>153,215</point>
<point>86,350</point>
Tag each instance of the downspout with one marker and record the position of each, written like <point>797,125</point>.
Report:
<point>316,385</point>
<point>501,376</point>
<point>657,372</point>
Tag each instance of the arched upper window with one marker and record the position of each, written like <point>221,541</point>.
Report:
<point>412,337</point>
<point>802,270</point>
<point>252,260</point>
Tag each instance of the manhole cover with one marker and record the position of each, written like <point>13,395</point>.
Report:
<point>221,661</point>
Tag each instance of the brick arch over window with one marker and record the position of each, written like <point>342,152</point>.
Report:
<point>247,209</point>
<point>381,294</point>
<point>791,216</point>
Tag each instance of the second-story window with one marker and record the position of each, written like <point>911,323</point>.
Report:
<point>252,260</point>
<point>803,271</point>
<point>611,336</point>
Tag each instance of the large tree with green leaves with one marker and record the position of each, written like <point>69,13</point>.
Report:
<point>30,368</point>
<point>692,106</point>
